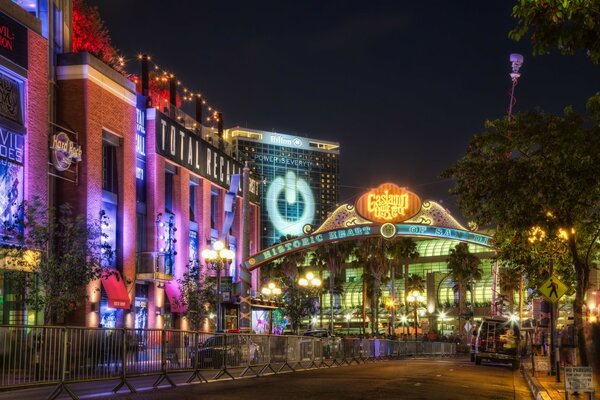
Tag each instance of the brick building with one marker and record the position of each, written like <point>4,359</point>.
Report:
<point>23,134</point>
<point>74,130</point>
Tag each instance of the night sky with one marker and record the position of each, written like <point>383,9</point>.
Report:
<point>401,85</point>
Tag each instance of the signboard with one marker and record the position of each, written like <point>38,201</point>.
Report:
<point>388,203</point>
<point>553,289</point>
<point>140,148</point>
<point>290,204</point>
<point>10,99</point>
<point>64,151</point>
<point>354,232</point>
<point>579,379</point>
<point>11,183</point>
<point>13,41</point>
<point>190,151</point>
<point>541,363</point>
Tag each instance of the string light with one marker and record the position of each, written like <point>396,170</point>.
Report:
<point>187,96</point>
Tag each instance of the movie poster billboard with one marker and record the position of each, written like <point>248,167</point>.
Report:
<point>11,183</point>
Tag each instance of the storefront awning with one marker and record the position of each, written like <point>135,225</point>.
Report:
<point>174,295</point>
<point>115,290</point>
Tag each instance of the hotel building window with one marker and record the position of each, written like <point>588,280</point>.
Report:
<point>168,191</point>
<point>109,167</point>
<point>295,191</point>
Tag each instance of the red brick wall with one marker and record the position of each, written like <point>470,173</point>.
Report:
<point>87,108</point>
<point>36,106</point>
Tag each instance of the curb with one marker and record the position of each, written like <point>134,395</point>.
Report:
<point>536,389</point>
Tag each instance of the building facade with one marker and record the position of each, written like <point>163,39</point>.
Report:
<point>163,189</point>
<point>300,179</point>
<point>24,128</point>
<point>74,130</point>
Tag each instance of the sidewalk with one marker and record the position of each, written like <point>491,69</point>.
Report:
<point>545,387</point>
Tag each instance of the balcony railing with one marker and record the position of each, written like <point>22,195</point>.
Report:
<point>152,266</point>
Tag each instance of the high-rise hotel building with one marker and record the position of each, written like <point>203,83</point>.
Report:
<point>300,179</point>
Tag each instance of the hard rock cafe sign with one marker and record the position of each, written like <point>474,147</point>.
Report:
<point>388,203</point>
<point>64,151</point>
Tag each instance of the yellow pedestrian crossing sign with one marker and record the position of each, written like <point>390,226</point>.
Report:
<point>553,289</point>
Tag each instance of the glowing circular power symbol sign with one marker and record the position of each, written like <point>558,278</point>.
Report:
<point>291,187</point>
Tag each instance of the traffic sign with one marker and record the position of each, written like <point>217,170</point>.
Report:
<point>553,289</point>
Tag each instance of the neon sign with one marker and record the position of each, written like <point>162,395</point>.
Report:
<point>410,230</point>
<point>388,203</point>
<point>290,204</point>
<point>65,151</point>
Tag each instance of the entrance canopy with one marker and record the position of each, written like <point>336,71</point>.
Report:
<point>389,211</point>
<point>174,295</point>
<point>115,290</point>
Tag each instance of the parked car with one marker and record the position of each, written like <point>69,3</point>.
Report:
<point>235,349</point>
<point>320,333</point>
<point>498,339</point>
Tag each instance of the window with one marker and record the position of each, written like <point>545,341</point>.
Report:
<point>140,233</point>
<point>214,194</point>
<point>109,168</point>
<point>192,202</point>
<point>168,191</point>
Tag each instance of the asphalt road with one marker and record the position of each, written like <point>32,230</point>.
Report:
<point>438,379</point>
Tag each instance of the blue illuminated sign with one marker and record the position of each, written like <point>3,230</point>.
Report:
<point>290,204</point>
<point>413,230</point>
<point>140,148</point>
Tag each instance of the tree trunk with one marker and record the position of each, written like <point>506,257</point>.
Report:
<point>461,307</point>
<point>376,286</point>
<point>331,300</point>
<point>582,274</point>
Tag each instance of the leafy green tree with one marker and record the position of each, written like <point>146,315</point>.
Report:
<point>541,171</point>
<point>56,255</point>
<point>295,303</point>
<point>568,25</point>
<point>198,293</point>
<point>464,268</point>
<point>332,256</point>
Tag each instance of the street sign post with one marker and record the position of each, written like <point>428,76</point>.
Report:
<point>579,379</point>
<point>553,289</point>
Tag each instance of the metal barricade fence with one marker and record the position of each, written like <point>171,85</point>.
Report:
<point>50,355</point>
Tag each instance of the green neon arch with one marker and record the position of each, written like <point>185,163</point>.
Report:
<point>365,230</point>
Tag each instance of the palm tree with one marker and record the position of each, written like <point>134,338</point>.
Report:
<point>369,253</point>
<point>415,282</point>
<point>402,251</point>
<point>332,256</point>
<point>464,267</point>
<point>510,280</point>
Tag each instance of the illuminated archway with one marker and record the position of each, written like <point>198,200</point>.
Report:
<point>388,211</point>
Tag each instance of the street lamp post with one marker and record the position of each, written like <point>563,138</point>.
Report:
<point>271,292</point>
<point>218,258</point>
<point>415,298</point>
<point>309,281</point>
<point>404,320</point>
<point>391,305</point>
<point>348,318</point>
<point>443,318</point>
